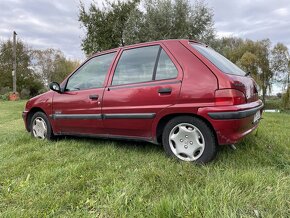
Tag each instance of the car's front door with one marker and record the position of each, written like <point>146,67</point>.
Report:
<point>144,82</point>
<point>78,109</point>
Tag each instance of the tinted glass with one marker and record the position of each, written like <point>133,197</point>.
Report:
<point>218,60</point>
<point>165,68</point>
<point>136,65</point>
<point>92,74</point>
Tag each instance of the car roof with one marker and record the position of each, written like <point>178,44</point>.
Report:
<point>144,43</point>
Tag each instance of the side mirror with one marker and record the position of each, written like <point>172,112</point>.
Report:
<point>54,86</point>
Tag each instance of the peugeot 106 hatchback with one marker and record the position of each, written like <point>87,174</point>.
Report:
<point>178,93</point>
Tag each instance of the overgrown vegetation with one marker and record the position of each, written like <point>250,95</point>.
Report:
<point>266,64</point>
<point>278,102</point>
<point>26,77</point>
<point>35,69</point>
<point>52,66</point>
<point>119,23</point>
<point>273,103</point>
<point>286,100</point>
<point>79,177</point>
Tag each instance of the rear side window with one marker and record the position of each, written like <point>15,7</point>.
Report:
<point>218,60</point>
<point>165,68</point>
<point>136,65</point>
<point>143,65</point>
<point>92,74</point>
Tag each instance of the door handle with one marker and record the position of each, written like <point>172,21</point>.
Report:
<point>165,91</point>
<point>94,97</point>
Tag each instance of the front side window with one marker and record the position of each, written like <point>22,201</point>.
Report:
<point>136,65</point>
<point>92,74</point>
<point>218,60</point>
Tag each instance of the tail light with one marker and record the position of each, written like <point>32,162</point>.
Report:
<point>225,97</point>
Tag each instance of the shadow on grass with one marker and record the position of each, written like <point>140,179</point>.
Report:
<point>91,142</point>
<point>226,152</point>
<point>251,151</point>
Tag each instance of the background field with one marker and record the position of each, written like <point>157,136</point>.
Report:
<point>103,178</point>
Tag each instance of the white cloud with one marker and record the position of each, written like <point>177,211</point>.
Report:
<point>43,24</point>
<point>254,19</point>
<point>282,11</point>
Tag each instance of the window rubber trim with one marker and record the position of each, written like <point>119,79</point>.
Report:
<point>156,64</point>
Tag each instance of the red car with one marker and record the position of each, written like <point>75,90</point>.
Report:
<point>179,93</point>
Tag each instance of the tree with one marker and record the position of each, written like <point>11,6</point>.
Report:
<point>252,56</point>
<point>63,67</point>
<point>281,65</point>
<point>26,78</point>
<point>266,74</point>
<point>105,27</point>
<point>286,99</point>
<point>51,65</point>
<point>44,63</point>
<point>123,23</point>
<point>158,20</point>
<point>201,24</point>
<point>230,47</point>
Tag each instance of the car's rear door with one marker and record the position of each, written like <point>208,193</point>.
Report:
<point>78,109</point>
<point>143,81</point>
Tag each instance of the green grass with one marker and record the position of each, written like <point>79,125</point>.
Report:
<point>76,177</point>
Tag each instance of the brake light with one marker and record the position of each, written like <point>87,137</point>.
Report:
<point>225,97</point>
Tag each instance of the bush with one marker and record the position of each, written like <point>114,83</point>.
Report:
<point>5,97</point>
<point>25,94</point>
<point>273,103</point>
<point>4,90</point>
<point>286,99</point>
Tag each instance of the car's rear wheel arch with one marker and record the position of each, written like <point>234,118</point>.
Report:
<point>164,120</point>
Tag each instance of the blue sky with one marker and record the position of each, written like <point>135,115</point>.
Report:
<point>54,23</point>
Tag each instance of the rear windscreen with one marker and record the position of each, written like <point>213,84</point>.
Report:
<point>218,60</point>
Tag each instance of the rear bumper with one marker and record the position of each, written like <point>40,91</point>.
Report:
<point>232,123</point>
<point>235,114</point>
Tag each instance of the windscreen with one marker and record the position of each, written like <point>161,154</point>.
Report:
<point>218,60</point>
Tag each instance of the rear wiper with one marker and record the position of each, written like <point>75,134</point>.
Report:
<point>248,73</point>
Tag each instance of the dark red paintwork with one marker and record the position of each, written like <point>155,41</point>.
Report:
<point>193,93</point>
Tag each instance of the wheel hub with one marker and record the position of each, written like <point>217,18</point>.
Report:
<point>186,142</point>
<point>39,128</point>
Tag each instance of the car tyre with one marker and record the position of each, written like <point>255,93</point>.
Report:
<point>40,126</point>
<point>189,139</point>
